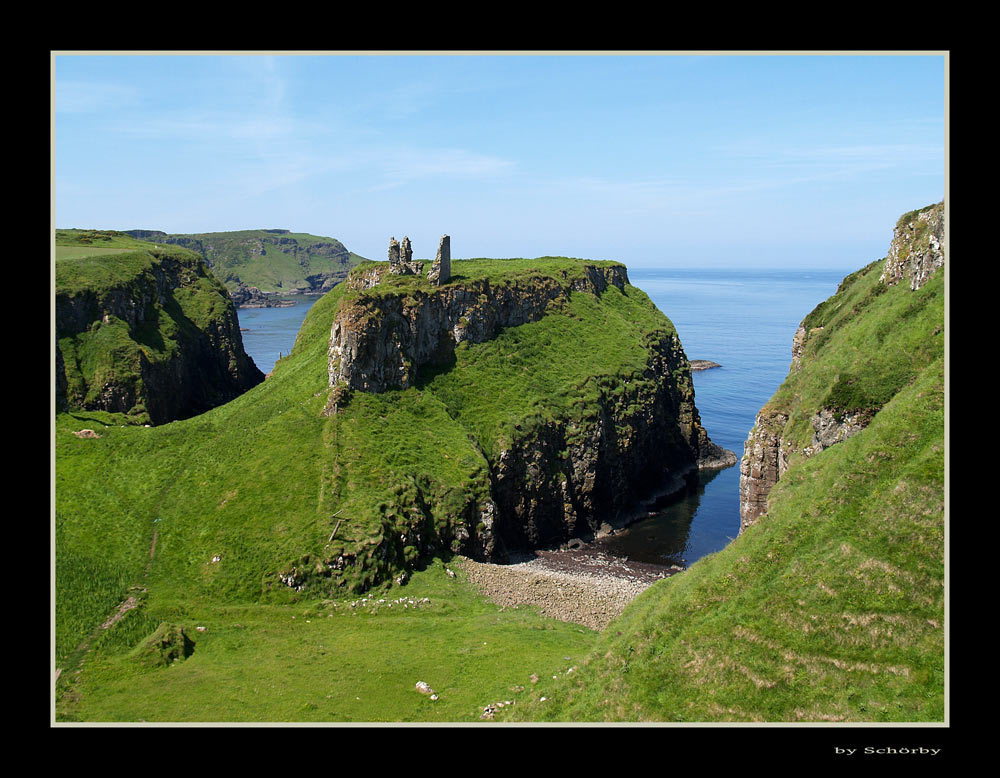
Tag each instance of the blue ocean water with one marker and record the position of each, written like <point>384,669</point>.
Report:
<point>742,319</point>
<point>270,332</point>
<point>745,321</point>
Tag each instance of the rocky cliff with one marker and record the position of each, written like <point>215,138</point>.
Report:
<point>381,341</point>
<point>841,388</point>
<point>572,462</point>
<point>149,333</point>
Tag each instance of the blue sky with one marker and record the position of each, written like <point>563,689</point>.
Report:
<point>652,160</point>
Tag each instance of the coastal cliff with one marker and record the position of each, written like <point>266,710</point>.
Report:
<point>829,606</point>
<point>563,390</point>
<point>380,341</point>
<point>146,331</point>
<point>846,387</point>
<point>272,261</point>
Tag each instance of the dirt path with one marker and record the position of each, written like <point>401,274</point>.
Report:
<point>585,586</point>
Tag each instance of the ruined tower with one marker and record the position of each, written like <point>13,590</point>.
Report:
<point>440,270</point>
<point>401,259</point>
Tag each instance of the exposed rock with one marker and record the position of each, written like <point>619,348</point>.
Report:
<point>378,343</point>
<point>764,461</point>
<point>917,247</point>
<point>831,429</point>
<point>703,364</point>
<point>86,434</point>
<point>440,270</point>
<point>244,296</point>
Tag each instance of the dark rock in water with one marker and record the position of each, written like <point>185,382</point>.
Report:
<point>244,296</point>
<point>703,364</point>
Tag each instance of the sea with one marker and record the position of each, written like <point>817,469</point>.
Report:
<point>742,319</point>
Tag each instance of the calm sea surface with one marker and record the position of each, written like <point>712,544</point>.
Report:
<point>270,332</point>
<point>744,320</point>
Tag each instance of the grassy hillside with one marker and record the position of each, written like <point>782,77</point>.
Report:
<point>211,517</point>
<point>271,260</point>
<point>831,607</point>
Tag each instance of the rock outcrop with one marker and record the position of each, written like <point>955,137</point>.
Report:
<point>765,459</point>
<point>557,478</point>
<point>157,339</point>
<point>380,342</point>
<point>917,248</point>
<point>915,253</point>
<point>244,296</point>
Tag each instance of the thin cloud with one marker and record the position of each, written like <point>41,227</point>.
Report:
<point>79,97</point>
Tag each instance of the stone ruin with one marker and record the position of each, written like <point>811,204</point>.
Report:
<point>401,261</point>
<point>440,270</point>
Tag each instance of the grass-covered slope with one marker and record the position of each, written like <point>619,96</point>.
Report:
<point>830,607</point>
<point>271,260</point>
<point>143,329</point>
<point>266,508</point>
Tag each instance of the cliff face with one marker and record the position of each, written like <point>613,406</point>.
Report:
<point>847,385</point>
<point>558,474</point>
<point>151,334</point>
<point>917,247</point>
<point>381,342</point>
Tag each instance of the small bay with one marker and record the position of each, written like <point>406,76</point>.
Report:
<point>742,319</point>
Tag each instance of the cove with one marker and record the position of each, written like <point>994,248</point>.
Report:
<point>742,319</point>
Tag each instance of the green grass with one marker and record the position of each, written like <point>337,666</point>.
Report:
<point>831,606</point>
<point>491,271</point>
<point>258,484</point>
<point>271,261</point>
<point>326,660</point>
<point>865,344</point>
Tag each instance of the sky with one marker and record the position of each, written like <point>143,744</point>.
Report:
<point>654,160</point>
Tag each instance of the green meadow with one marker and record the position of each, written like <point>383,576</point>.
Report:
<point>198,518</point>
<point>829,609</point>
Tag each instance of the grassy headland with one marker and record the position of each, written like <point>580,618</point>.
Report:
<point>218,511</point>
<point>143,329</point>
<point>271,260</point>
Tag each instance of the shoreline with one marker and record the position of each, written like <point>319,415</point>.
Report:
<point>582,586</point>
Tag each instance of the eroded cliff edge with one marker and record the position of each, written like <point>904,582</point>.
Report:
<point>150,333</point>
<point>850,356</point>
<point>610,422</point>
